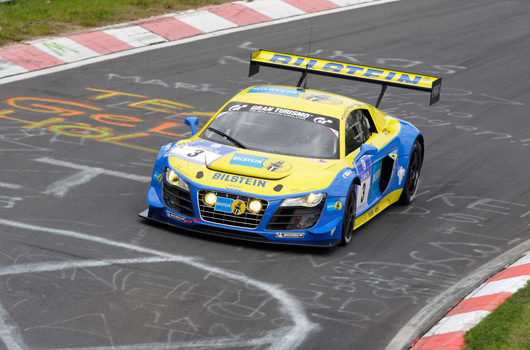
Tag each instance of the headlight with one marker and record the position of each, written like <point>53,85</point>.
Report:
<point>209,199</point>
<point>175,180</point>
<point>311,200</point>
<point>254,206</point>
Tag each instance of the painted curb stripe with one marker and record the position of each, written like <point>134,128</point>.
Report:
<point>448,341</point>
<point>349,2</point>
<point>170,28</point>
<point>511,272</point>
<point>239,14</point>
<point>28,57</point>
<point>64,49</point>
<point>274,9</point>
<point>458,323</point>
<point>486,303</point>
<point>312,6</point>
<point>508,285</point>
<point>449,332</point>
<point>205,21</point>
<point>134,35</point>
<point>100,42</point>
<point>9,68</point>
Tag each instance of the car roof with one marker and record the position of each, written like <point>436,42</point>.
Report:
<point>307,100</point>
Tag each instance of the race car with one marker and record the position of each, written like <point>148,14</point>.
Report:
<point>291,165</point>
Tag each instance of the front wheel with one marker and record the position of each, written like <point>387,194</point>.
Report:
<point>413,175</point>
<point>348,221</point>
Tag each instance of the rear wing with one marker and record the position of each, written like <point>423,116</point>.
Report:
<point>343,70</point>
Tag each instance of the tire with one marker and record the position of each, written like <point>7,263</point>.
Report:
<point>348,221</point>
<point>413,175</point>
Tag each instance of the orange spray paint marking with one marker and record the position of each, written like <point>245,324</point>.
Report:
<point>49,109</point>
<point>32,125</point>
<point>110,93</point>
<point>158,105</point>
<point>84,131</point>
<point>106,118</point>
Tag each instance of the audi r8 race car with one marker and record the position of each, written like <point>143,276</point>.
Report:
<point>291,165</point>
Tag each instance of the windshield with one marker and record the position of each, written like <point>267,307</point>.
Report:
<point>276,130</point>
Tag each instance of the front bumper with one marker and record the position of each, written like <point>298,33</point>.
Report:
<point>328,235</point>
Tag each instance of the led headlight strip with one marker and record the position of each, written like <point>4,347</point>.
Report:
<point>175,180</point>
<point>310,200</point>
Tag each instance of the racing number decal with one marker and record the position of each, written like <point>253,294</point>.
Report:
<point>363,192</point>
<point>199,152</point>
<point>364,169</point>
<point>362,197</point>
<point>195,154</point>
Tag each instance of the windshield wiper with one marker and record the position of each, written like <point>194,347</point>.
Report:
<point>229,138</point>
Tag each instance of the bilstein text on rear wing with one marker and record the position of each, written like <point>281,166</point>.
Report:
<point>343,70</point>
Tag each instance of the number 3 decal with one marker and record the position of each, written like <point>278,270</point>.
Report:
<point>195,154</point>
<point>364,170</point>
<point>362,197</point>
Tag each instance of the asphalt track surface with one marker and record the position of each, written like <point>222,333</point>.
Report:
<point>80,270</point>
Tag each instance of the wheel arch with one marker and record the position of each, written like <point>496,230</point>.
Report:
<point>422,143</point>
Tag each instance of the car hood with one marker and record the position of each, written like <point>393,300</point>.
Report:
<point>213,165</point>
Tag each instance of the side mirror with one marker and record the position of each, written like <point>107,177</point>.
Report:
<point>192,122</point>
<point>366,150</point>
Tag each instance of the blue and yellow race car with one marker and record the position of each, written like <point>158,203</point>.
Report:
<point>291,165</point>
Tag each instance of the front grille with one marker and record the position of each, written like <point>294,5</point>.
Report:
<point>245,220</point>
<point>177,199</point>
<point>295,218</point>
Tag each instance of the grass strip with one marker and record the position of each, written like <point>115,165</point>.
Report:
<point>506,328</point>
<point>27,19</point>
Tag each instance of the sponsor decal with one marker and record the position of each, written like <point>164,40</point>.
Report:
<point>321,98</point>
<point>224,204</point>
<point>317,160</point>
<point>332,206</point>
<point>284,112</point>
<point>234,188</point>
<point>401,174</point>
<point>290,234</point>
<point>363,163</point>
<point>277,165</point>
<point>323,121</point>
<point>346,174</point>
<point>199,151</point>
<point>239,179</point>
<point>238,207</point>
<point>350,70</point>
<point>237,107</point>
<point>175,216</point>
<point>157,175</point>
<point>275,91</point>
<point>274,165</point>
<point>377,175</point>
<point>247,160</point>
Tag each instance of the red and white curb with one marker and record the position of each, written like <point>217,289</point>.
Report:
<point>448,333</point>
<point>54,51</point>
